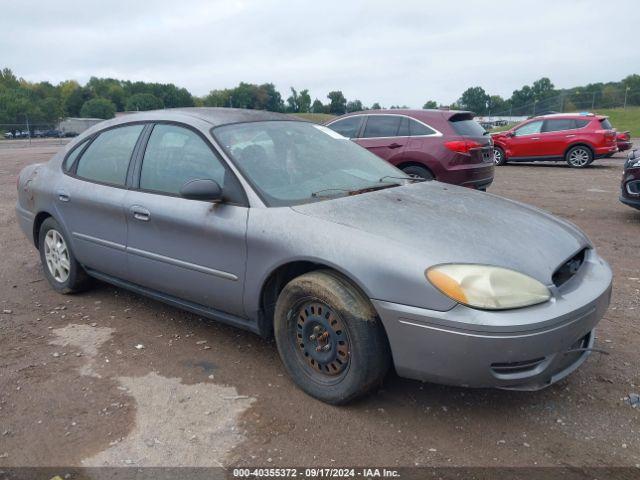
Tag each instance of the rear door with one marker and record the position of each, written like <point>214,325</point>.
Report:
<point>526,141</point>
<point>91,199</point>
<point>191,249</point>
<point>469,129</point>
<point>556,135</point>
<point>385,135</point>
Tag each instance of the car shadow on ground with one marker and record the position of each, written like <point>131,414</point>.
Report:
<point>562,165</point>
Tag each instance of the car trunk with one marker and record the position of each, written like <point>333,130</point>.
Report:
<point>477,142</point>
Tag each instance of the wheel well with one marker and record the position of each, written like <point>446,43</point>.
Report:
<point>593,154</point>
<point>37,223</point>
<point>404,165</point>
<point>276,282</point>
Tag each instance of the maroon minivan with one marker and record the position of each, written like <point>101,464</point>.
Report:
<point>446,145</point>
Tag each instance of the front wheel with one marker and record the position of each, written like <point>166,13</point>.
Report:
<point>579,156</point>
<point>61,268</point>
<point>499,157</point>
<point>329,338</point>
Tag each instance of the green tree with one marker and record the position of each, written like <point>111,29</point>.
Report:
<point>497,105</point>
<point>337,102</point>
<point>304,101</point>
<point>354,106</point>
<point>430,104</point>
<point>143,101</point>
<point>317,106</point>
<point>293,102</point>
<point>98,108</point>
<point>474,99</point>
<point>376,106</point>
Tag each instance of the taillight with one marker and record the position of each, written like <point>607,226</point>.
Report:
<point>462,146</point>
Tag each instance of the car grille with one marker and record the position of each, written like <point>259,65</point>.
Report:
<point>563,274</point>
<point>516,367</point>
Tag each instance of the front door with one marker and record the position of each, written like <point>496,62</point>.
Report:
<point>527,140</point>
<point>191,249</point>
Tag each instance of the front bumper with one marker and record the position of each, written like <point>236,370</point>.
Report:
<point>525,349</point>
<point>632,202</point>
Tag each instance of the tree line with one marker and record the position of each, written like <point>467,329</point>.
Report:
<point>45,104</point>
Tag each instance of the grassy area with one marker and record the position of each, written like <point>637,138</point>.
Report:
<point>316,117</point>
<point>624,119</point>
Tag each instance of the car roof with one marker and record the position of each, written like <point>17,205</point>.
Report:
<point>572,116</point>
<point>216,116</point>
<point>420,114</point>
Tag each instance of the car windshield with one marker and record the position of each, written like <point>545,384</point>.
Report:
<point>291,162</point>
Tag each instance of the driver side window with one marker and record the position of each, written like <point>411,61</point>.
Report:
<point>529,128</point>
<point>176,155</point>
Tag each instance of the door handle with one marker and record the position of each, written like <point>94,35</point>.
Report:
<point>63,196</point>
<point>569,136</point>
<point>140,213</point>
<point>535,138</point>
<point>394,145</point>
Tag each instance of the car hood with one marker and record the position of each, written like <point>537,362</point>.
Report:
<point>443,223</point>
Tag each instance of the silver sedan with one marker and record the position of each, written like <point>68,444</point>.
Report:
<point>285,228</point>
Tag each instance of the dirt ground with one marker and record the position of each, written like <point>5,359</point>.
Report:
<point>111,378</point>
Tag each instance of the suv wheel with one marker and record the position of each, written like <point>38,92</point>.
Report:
<point>62,270</point>
<point>499,157</point>
<point>420,172</point>
<point>579,156</point>
<point>330,338</point>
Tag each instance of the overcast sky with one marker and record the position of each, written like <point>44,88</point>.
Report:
<point>392,52</point>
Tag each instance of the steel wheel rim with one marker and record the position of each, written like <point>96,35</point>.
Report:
<point>56,255</point>
<point>497,156</point>
<point>322,342</point>
<point>579,157</point>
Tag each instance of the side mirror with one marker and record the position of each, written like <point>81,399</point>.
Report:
<point>202,189</point>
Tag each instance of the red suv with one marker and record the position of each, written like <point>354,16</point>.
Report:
<point>445,145</point>
<point>575,138</point>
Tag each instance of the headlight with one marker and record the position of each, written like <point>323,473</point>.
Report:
<point>487,287</point>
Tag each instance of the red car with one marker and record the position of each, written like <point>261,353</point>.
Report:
<point>575,138</point>
<point>623,139</point>
<point>444,145</point>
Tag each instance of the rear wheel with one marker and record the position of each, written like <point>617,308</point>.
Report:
<point>62,270</point>
<point>417,171</point>
<point>499,157</point>
<point>579,156</point>
<point>329,338</point>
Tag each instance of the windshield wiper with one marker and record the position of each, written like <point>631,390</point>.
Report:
<point>348,192</point>
<point>410,178</point>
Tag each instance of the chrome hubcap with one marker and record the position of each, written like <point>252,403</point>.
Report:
<point>579,157</point>
<point>57,256</point>
<point>497,155</point>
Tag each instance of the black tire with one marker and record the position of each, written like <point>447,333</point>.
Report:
<point>324,305</point>
<point>499,157</point>
<point>579,156</point>
<point>418,172</point>
<point>63,280</point>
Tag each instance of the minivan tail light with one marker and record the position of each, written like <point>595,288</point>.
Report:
<point>462,146</point>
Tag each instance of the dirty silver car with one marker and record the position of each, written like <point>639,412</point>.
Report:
<point>285,228</point>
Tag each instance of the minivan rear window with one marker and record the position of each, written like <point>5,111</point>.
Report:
<point>606,124</point>
<point>466,126</point>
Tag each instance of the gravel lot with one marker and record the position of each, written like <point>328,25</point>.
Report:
<point>110,378</point>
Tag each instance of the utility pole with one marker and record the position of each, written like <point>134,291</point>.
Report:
<point>28,129</point>
<point>593,100</point>
<point>534,107</point>
<point>626,91</point>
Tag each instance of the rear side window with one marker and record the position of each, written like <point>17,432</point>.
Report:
<point>606,124</point>
<point>68,162</point>
<point>559,124</point>
<point>106,160</point>
<point>581,123</point>
<point>466,127</point>
<point>417,128</point>
<point>176,155</point>
<point>382,126</point>
<point>347,127</point>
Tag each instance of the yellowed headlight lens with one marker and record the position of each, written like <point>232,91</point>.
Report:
<point>487,287</point>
